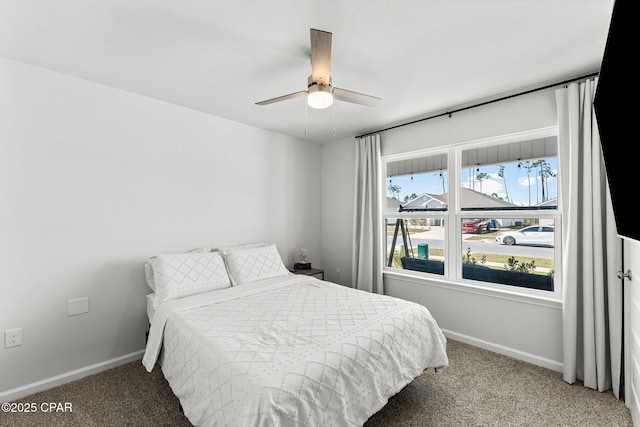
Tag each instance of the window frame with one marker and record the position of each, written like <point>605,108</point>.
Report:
<point>454,214</point>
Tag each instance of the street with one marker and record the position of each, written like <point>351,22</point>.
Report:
<point>435,239</point>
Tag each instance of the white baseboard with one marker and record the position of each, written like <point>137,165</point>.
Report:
<point>26,390</point>
<point>496,348</point>
<point>46,384</point>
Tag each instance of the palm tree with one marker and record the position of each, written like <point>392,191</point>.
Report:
<point>481,176</point>
<point>501,175</point>
<point>538,163</point>
<point>545,173</point>
<point>528,166</point>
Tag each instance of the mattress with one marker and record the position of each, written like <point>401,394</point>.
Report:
<point>291,351</point>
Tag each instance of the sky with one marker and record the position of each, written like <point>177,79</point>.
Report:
<point>519,188</point>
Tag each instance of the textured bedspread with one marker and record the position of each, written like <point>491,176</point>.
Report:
<point>295,351</point>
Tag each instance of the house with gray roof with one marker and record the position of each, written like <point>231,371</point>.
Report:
<point>469,199</point>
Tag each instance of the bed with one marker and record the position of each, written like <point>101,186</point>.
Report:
<point>250,344</point>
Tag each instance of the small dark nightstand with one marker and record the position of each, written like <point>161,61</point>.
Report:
<point>308,272</point>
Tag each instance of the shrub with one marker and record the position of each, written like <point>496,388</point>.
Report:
<point>514,265</point>
<point>467,258</point>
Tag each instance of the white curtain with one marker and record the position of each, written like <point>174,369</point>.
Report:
<point>592,293</point>
<point>367,226</point>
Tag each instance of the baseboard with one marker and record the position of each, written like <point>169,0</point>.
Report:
<point>500,349</point>
<point>20,392</point>
<point>46,384</point>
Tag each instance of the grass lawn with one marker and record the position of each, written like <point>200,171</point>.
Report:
<point>499,259</point>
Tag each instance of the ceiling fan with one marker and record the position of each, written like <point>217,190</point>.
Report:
<point>320,91</point>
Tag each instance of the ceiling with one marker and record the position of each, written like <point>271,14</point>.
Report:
<point>221,57</point>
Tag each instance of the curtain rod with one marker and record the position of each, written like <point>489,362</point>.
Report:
<point>449,113</point>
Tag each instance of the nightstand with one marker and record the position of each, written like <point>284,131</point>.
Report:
<point>308,272</point>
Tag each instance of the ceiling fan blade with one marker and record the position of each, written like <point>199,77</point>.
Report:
<point>355,97</point>
<point>321,56</point>
<point>282,98</point>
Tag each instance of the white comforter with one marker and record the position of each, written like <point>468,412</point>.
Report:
<point>292,351</point>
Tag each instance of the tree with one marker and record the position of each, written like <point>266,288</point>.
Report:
<point>501,175</point>
<point>545,173</point>
<point>471,180</point>
<point>528,166</point>
<point>538,164</point>
<point>394,190</point>
<point>481,176</point>
<point>411,197</point>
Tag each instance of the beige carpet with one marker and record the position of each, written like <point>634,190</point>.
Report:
<point>479,388</point>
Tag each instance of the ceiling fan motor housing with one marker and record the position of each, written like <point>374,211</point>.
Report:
<point>320,95</point>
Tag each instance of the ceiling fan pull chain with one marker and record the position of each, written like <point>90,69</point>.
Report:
<point>334,119</point>
<point>306,121</point>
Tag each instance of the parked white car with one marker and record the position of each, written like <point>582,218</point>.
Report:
<point>538,235</point>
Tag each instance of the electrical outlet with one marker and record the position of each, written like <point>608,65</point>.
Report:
<point>337,273</point>
<point>12,337</point>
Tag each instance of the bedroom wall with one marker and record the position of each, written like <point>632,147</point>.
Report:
<point>337,190</point>
<point>93,181</point>
<point>528,329</point>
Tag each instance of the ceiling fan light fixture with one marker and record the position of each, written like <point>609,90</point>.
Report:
<point>320,96</point>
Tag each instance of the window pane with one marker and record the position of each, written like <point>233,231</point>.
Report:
<point>510,176</point>
<point>415,244</point>
<point>417,184</point>
<point>517,252</point>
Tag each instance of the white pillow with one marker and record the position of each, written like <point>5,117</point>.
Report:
<point>148,269</point>
<point>181,275</point>
<point>247,265</point>
<point>148,274</point>
<point>226,249</point>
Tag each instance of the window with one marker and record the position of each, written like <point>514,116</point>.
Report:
<point>492,222</point>
<point>414,221</point>
<point>415,243</point>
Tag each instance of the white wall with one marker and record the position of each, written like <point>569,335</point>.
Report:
<point>94,180</point>
<point>337,174</point>
<point>526,329</point>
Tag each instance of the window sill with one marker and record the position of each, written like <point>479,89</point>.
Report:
<point>493,290</point>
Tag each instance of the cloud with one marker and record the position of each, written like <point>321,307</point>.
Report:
<point>527,181</point>
<point>489,187</point>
